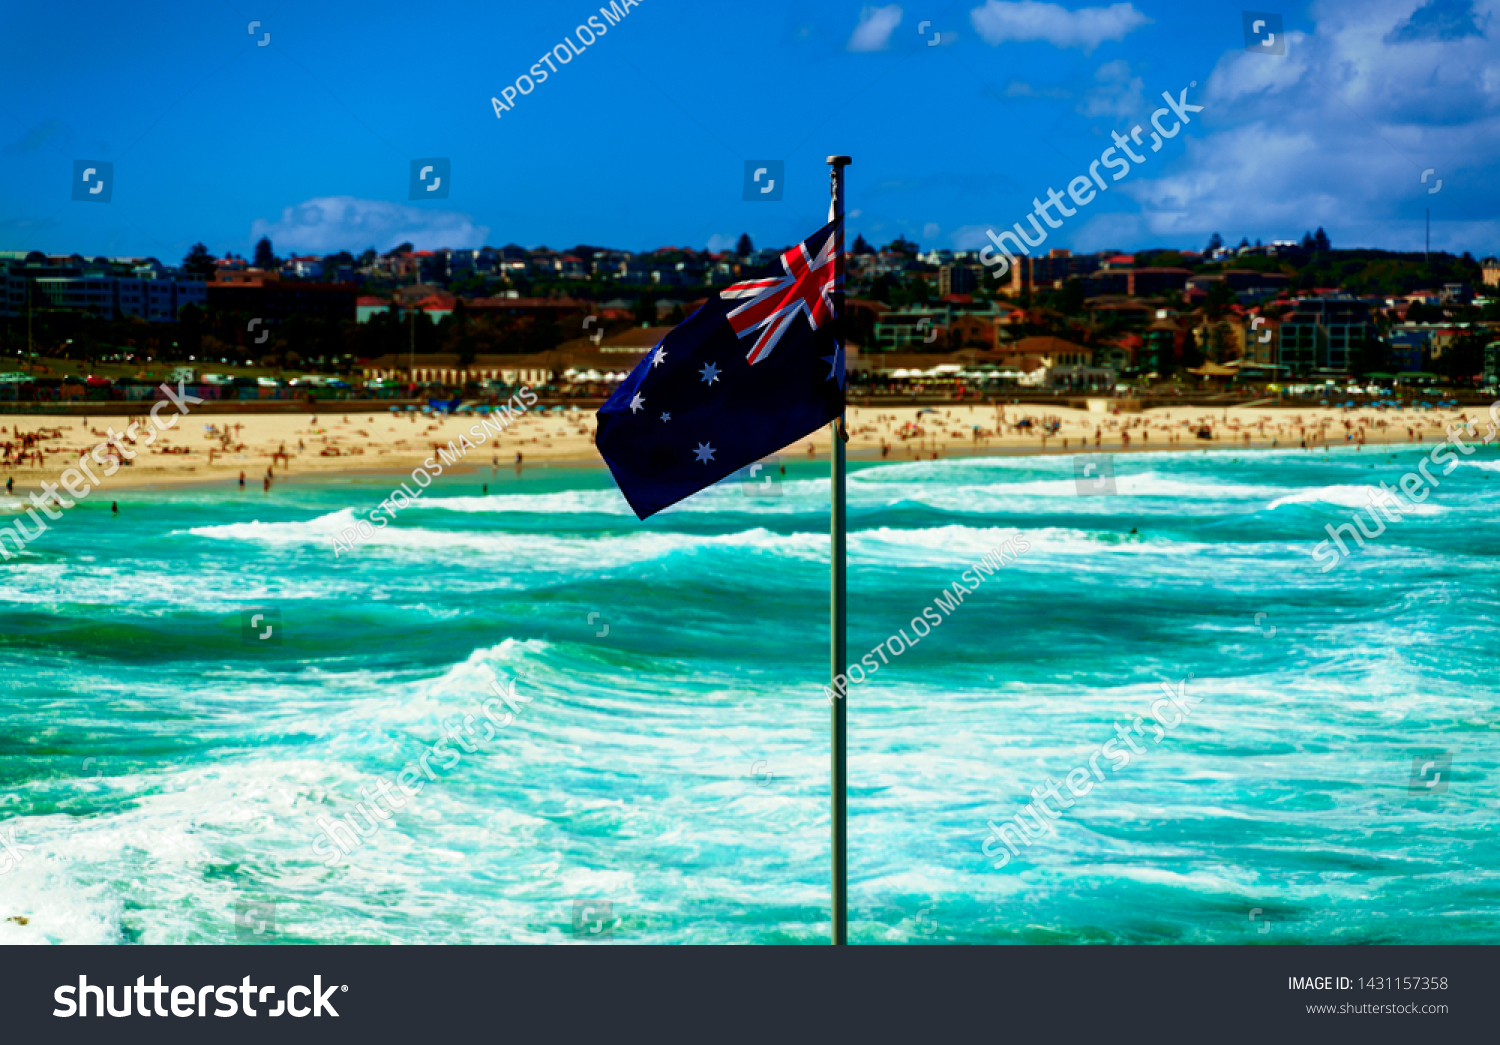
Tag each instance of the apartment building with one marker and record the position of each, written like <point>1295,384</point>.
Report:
<point>1320,335</point>
<point>71,283</point>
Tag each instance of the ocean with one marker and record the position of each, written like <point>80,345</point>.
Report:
<point>191,688</point>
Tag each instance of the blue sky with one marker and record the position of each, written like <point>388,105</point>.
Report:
<point>641,140</point>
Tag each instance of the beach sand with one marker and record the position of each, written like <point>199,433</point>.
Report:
<point>330,444</point>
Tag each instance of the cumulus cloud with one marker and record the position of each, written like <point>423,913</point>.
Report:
<point>1118,93</point>
<point>332,223</point>
<point>876,24</point>
<point>1000,21</point>
<point>1336,133</point>
<point>1438,20</point>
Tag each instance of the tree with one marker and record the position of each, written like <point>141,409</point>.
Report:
<point>644,310</point>
<point>862,247</point>
<point>1244,243</point>
<point>1320,240</point>
<point>265,257</point>
<point>199,262</point>
<point>744,248</point>
<point>1070,299</point>
<point>1307,241</point>
<point>903,246</point>
<point>1220,296</point>
<point>881,288</point>
<point>1214,243</point>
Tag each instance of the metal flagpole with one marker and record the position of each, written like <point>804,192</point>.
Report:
<point>838,594</point>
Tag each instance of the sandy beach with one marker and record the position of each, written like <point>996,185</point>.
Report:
<point>218,448</point>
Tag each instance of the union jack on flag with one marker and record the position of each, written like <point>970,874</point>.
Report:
<point>806,288</point>
<point>698,408</point>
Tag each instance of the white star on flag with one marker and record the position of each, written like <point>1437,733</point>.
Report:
<point>705,452</point>
<point>710,373</point>
<point>656,359</point>
<point>666,416</point>
<point>636,402</point>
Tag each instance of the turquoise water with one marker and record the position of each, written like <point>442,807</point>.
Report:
<point>167,766</point>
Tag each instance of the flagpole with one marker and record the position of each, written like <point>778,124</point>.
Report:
<point>838,593</point>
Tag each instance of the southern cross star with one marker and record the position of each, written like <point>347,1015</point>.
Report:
<point>835,365</point>
<point>637,402</point>
<point>705,452</point>
<point>665,416</point>
<point>656,359</point>
<point>710,373</point>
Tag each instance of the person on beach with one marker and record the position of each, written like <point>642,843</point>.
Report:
<point>242,480</point>
<point>10,485</point>
<point>114,507</point>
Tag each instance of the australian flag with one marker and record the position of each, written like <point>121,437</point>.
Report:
<point>755,369</point>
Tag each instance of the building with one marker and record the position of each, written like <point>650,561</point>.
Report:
<point>909,330</point>
<point>1490,270</point>
<point>1321,335</point>
<point>445,369</point>
<point>1247,284</point>
<point>1050,271</point>
<point>72,284</point>
<point>307,267</point>
<point>1154,282</point>
<point>263,296</point>
<point>367,307</point>
<point>957,279</point>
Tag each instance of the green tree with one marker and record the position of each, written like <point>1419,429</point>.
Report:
<point>198,262</point>
<point>744,248</point>
<point>861,246</point>
<point>1220,296</point>
<point>1214,243</point>
<point>1320,241</point>
<point>644,309</point>
<point>265,257</point>
<point>903,246</point>
<point>1070,299</point>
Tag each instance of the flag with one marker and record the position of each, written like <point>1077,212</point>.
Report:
<point>757,368</point>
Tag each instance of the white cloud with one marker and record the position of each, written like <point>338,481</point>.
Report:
<point>1118,93</point>
<point>331,223</point>
<point>1336,133</point>
<point>876,24</point>
<point>1001,22</point>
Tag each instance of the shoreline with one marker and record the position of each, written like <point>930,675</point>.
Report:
<point>562,440</point>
